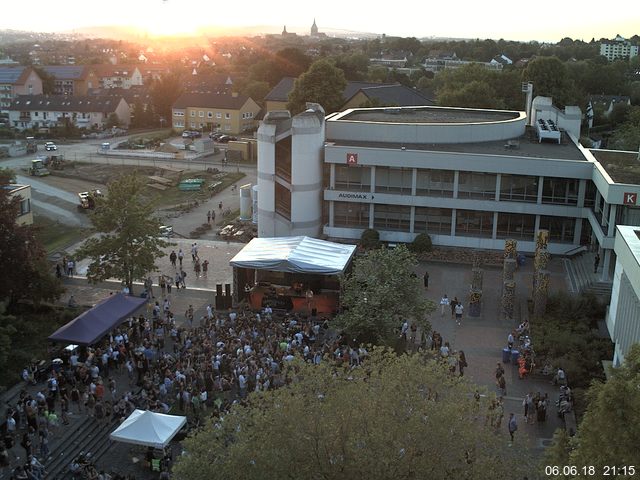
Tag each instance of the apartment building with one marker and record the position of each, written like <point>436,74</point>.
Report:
<point>619,47</point>
<point>16,81</point>
<point>117,76</point>
<point>467,177</point>
<point>72,79</point>
<point>25,215</point>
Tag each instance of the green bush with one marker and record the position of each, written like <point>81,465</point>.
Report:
<point>421,244</point>
<point>370,238</point>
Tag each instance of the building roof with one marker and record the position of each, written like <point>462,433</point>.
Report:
<point>67,72</point>
<point>108,70</point>
<point>14,75</point>
<point>609,99</point>
<point>400,95</point>
<point>622,167</point>
<point>64,103</point>
<point>210,100</point>
<point>280,93</point>
<point>429,115</point>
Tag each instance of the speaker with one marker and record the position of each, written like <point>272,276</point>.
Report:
<point>227,289</point>
<point>218,289</point>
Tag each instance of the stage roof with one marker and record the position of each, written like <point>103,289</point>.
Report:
<point>92,325</point>
<point>152,429</point>
<point>295,254</point>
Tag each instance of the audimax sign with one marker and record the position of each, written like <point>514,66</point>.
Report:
<point>355,196</point>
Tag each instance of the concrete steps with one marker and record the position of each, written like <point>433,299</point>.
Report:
<point>582,278</point>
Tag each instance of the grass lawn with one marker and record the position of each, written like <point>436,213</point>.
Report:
<point>174,197</point>
<point>56,236</point>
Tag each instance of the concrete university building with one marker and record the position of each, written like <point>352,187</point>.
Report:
<point>467,177</point>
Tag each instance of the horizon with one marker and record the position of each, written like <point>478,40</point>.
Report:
<point>494,19</point>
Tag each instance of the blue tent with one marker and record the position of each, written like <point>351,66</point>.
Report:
<point>93,324</point>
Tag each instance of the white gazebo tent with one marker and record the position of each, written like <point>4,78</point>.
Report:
<point>147,428</point>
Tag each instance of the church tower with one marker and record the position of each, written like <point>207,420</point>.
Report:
<point>314,29</point>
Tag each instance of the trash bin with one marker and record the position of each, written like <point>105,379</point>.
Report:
<point>515,354</point>
<point>521,259</point>
<point>506,355</point>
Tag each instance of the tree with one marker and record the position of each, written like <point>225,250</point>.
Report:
<point>370,238</point>
<point>48,81</point>
<point>27,275</point>
<point>551,78</point>
<point>379,294</point>
<point>323,83</point>
<point>421,244</point>
<point>128,245</point>
<point>164,93</point>
<point>627,135</point>
<point>113,120</point>
<point>608,433</point>
<point>355,66</point>
<point>399,417</point>
<point>256,90</point>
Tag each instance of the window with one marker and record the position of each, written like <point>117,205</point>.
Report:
<point>209,114</point>
<point>218,115</point>
<point>227,116</point>
<point>193,113</point>
<point>563,191</point>
<point>473,223</point>
<point>394,180</point>
<point>434,183</point>
<point>353,178</point>
<point>348,214</point>
<point>516,225</point>
<point>201,114</point>
<point>477,185</point>
<point>178,114</point>
<point>561,229</point>
<point>519,188</point>
<point>392,217</point>
<point>283,159</point>
<point>432,221</point>
<point>25,206</point>
<point>193,124</point>
<point>283,201</point>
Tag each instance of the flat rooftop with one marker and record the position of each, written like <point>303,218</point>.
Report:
<point>428,115</point>
<point>622,167</point>
<point>524,146</point>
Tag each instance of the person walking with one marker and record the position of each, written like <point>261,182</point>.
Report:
<point>529,408</point>
<point>426,279</point>
<point>512,426</point>
<point>596,263</point>
<point>209,216</point>
<point>205,267</point>
<point>453,304</point>
<point>180,257</point>
<point>444,303</point>
<point>501,383</point>
<point>172,258</point>
<point>462,362</point>
<point>459,308</point>
<point>196,268</point>
<point>213,216</point>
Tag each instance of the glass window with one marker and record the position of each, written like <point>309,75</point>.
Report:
<point>218,115</point>
<point>434,183</point>
<point>283,201</point>
<point>392,217</point>
<point>561,229</point>
<point>394,180</point>
<point>590,194</point>
<point>193,113</point>
<point>519,188</point>
<point>201,114</point>
<point>353,178</point>
<point>433,221</point>
<point>562,191</point>
<point>227,116</point>
<point>283,159</point>
<point>348,214</point>
<point>477,185</point>
<point>209,114</point>
<point>516,225</point>
<point>473,223</point>
<point>25,206</point>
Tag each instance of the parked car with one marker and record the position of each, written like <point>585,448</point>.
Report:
<point>215,136</point>
<point>50,146</point>
<point>191,134</point>
<point>227,138</point>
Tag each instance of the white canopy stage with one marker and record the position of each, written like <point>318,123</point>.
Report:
<point>147,428</point>
<point>295,255</point>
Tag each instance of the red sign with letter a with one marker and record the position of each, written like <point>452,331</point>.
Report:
<point>352,159</point>
<point>630,198</point>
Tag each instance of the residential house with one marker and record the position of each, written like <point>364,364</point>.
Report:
<point>208,83</point>
<point>388,96</point>
<point>44,111</point>
<point>606,103</point>
<point>72,79</point>
<point>25,216</point>
<point>501,60</point>
<point>209,112</point>
<point>118,76</point>
<point>389,62</point>
<point>16,81</point>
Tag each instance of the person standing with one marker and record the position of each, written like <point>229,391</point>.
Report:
<point>213,216</point>
<point>462,362</point>
<point>205,267</point>
<point>426,279</point>
<point>444,303</point>
<point>209,216</point>
<point>180,257</point>
<point>453,304</point>
<point>596,263</point>
<point>529,408</point>
<point>501,383</point>
<point>513,426</point>
<point>163,285</point>
<point>459,308</point>
<point>197,268</point>
<point>172,258</point>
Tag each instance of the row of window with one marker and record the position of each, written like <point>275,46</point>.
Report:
<point>201,114</point>
<point>440,183</point>
<point>438,221</point>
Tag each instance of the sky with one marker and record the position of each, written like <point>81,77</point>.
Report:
<point>512,20</point>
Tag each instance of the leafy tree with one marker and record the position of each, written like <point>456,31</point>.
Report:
<point>27,275</point>
<point>256,90</point>
<point>164,93</point>
<point>381,291</point>
<point>128,244</point>
<point>48,81</point>
<point>551,78</point>
<point>7,330</point>
<point>354,66</point>
<point>627,135</point>
<point>113,120</point>
<point>370,238</point>
<point>397,417</point>
<point>421,244</point>
<point>323,83</point>
<point>608,433</point>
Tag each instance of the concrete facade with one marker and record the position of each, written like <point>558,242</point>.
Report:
<point>623,317</point>
<point>25,217</point>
